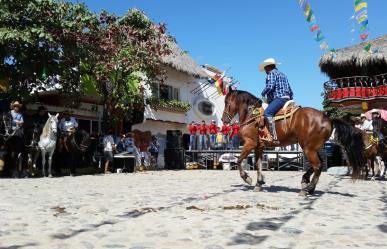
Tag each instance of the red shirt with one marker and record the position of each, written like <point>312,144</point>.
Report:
<point>192,129</point>
<point>225,129</point>
<point>213,129</point>
<point>235,130</point>
<point>203,129</point>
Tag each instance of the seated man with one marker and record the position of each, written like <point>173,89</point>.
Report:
<point>277,92</point>
<point>131,147</point>
<point>17,117</point>
<point>365,124</point>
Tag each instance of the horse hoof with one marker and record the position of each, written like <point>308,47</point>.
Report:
<point>257,189</point>
<point>303,193</point>
<point>373,178</point>
<point>50,176</point>
<point>248,180</point>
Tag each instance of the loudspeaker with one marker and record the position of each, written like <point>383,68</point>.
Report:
<point>174,159</point>
<point>174,139</point>
<point>186,138</point>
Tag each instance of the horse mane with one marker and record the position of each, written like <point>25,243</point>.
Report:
<point>246,97</point>
<point>46,128</point>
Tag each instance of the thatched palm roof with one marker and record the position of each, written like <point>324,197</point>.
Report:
<point>182,62</point>
<point>355,61</point>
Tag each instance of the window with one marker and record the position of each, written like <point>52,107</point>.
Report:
<point>206,108</point>
<point>168,92</point>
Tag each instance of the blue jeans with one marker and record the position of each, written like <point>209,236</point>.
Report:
<point>235,142</point>
<point>212,139</point>
<point>192,142</point>
<point>274,107</point>
<point>225,142</point>
<point>202,142</point>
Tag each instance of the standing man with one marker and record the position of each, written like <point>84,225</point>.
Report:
<point>67,126</point>
<point>192,128</point>
<point>203,135</point>
<point>130,146</point>
<point>234,135</point>
<point>277,92</point>
<point>108,148</point>
<point>226,133</point>
<point>213,128</point>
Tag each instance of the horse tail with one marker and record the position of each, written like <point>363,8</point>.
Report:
<point>351,139</point>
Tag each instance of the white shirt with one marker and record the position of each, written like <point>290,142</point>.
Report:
<point>67,125</point>
<point>366,125</point>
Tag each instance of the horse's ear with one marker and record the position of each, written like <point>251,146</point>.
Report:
<point>49,115</point>
<point>57,115</point>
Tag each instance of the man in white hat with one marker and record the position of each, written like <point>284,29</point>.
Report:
<point>365,124</point>
<point>277,92</point>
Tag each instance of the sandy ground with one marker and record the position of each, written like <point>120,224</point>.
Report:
<point>191,209</point>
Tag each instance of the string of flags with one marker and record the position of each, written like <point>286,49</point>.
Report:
<point>314,27</point>
<point>361,16</point>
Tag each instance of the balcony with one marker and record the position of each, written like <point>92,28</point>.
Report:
<point>171,105</point>
<point>357,88</point>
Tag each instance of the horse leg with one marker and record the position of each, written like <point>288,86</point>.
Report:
<point>258,164</point>
<point>372,165</point>
<point>49,163</point>
<point>43,162</point>
<point>249,145</point>
<point>314,159</point>
<point>306,179</point>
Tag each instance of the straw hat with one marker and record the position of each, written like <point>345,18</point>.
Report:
<point>375,111</point>
<point>362,115</point>
<point>267,62</point>
<point>16,103</point>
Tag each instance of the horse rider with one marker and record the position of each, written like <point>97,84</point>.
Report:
<point>375,116</point>
<point>17,117</point>
<point>67,127</point>
<point>365,124</point>
<point>277,92</point>
<point>40,118</point>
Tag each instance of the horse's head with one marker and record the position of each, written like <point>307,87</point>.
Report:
<point>230,107</point>
<point>238,102</point>
<point>53,122</point>
<point>377,124</point>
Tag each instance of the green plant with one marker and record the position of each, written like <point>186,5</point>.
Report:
<point>156,104</point>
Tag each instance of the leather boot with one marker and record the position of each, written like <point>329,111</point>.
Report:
<point>273,131</point>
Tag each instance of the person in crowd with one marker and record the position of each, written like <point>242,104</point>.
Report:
<point>277,91</point>
<point>192,128</point>
<point>365,124</point>
<point>121,144</point>
<point>40,117</point>
<point>226,135</point>
<point>213,130</point>
<point>144,147</point>
<point>108,149</point>
<point>67,126</point>
<point>203,135</point>
<point>131,148</point>
<point>17,117</point>
<point>154,148</point>
<point>234,135</point>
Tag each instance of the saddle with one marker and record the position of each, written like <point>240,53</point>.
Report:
<point>286,112</point>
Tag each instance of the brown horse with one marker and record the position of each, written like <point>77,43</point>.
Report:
<point>308,127</point>
<point>370,153</point>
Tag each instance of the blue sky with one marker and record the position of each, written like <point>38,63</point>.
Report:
<point>240,34</point>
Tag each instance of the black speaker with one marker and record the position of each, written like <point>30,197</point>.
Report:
<point>174,159</point>
<point>174,139</point>
<point>186,138</point>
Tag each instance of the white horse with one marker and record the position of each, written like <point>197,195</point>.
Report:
<point>47,142</point>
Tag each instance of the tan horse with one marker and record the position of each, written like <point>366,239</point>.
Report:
<point>308,127</point>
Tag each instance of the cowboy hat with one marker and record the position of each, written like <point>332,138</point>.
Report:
<point>362,115</point>
<point>16,103</point>
<point>267,62</point>
<point>375,111</point>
